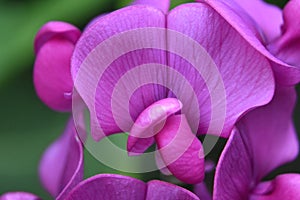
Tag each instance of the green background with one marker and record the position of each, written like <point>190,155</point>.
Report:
<point>27,127</point>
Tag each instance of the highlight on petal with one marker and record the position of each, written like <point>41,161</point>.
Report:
<point>158,190</point>
<point>181,150</point>
<point>285,74</point>
<point>246,74</point>
<point>109,186</point>
<point>54,45</point>
<point>271,132</point>
<point>61,167</point>
<point>262,12</point>
<point>149,123</point>
<point>287,46</point>
<point>285,186</point>
<point>163,5</point>
<point>19,196</point>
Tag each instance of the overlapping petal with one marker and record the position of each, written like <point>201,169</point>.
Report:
<point>287,47</point>
<point>54,45</point>
<point>271,131</point>
<point>262,12</point>
<point>181,150</point>
<point>118,187</point>
<point>285,186</point>
<point>245,73</point>
<point>61,167</point>
<point>285,74</point>
<point>264,140</point>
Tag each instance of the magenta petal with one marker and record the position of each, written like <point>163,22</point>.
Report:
<point>97,73</point>
<point>149,123</point>
<point>61,167</point>
<point>158,190</point>
<point>245,76</point>
<point>19,196</point>
<point>271,132</point>
<point>52,77</point>
<point>284,73</point>
<point>287,46</point>
<point>109,186</point>
<point>285,186</point>
<point>181,150</point>
<point>262,12</point>
<point>56,29</point>
<point>234,173</point>
<point>163,5</point>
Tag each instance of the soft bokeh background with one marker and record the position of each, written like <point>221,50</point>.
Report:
<point>27,127</point>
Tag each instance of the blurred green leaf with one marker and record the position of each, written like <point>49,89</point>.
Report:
<point>20,22</point>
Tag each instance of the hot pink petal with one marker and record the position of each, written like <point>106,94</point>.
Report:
<point>161,190</point>
<point>149,123</point>
<point>163,5</point>
<point>241,79</point>
<point>61,167</point>
<point>285,74</point>
<point>52,78</point>
<point>285,186</point>
<point>56,29</point>
<point>271,132</point>
<point>262,12</point>
<point>54,45</point>
<point>181,150</point>
<point>19,196</point>
<point>109,186</point>
<point>287,46</point>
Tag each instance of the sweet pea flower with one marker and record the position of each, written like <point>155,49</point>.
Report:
<point>161,96</point>
<point>53,46</point>
<point>61,172</point>
<point>263,140</point>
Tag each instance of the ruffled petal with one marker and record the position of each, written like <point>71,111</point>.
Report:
<point>61,167</point>
<point>284,73</point>
<point>149,123</point>
<point>234,173</point>
<point>54,45</point>
<point>181,150</point>
<point>19,196</point>
<point>285,186</point>
<point>118,91</point>
<point>235,79</point>
<point>162,5</point>
<point>271,132</point>
<point>262,12</point>
<point>287,47</point>
<point>109,186</point>
<point>161,190</point>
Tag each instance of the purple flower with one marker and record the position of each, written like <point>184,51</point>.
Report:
<point>160,95</point>
<point>61,172</point>
<point>264,139</point>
